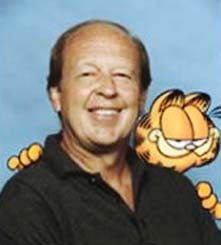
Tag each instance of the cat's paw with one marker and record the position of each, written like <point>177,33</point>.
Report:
<point>209,199</point>
<point>26,157</point>
<point>217,211</point>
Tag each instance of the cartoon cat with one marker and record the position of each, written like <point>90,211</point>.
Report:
<point>178,133</point>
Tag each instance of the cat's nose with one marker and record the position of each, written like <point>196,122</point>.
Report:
<point>190,147</point>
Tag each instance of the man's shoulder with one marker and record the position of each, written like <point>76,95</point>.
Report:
<point>168,188</point>
<point>159,175</point>
<point>27,206</point>
<point>37,177</point>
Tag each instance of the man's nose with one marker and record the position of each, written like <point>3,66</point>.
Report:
<point>107,86</point>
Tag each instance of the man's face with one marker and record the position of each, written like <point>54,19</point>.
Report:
<point>99,95</point>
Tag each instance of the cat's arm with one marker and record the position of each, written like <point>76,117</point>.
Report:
<point>209,200</point>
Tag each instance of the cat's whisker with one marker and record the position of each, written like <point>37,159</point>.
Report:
<point>214,110</point>
<point>216,114</point>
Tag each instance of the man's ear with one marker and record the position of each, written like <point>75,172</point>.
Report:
<point>142,100</point>
<point>55,98</point>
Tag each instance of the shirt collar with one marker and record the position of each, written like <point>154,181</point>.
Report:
<point>57,159</point>
<point>63,165</point>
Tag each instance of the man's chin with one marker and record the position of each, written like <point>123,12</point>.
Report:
<point>103,146</point>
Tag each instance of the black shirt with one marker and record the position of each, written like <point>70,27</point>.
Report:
<point>55,202</point>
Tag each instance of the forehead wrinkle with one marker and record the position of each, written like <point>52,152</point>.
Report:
<point>101,29</point>
<point>100,33</point>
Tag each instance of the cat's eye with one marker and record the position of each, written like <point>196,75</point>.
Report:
<point>199,142</point>
<point>179,144</point>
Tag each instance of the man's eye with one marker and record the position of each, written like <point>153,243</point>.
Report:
<point>87,74</point>
<point>122,75</point>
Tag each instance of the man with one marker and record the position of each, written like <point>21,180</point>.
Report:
<point>90,187</point>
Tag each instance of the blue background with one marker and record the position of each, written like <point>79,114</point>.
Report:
<point>183,38</point>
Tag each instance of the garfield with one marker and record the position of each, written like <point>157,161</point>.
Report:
<point>179,133</point>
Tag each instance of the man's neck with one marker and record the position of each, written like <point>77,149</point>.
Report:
<point>93,161</point>
<point>111,165</point>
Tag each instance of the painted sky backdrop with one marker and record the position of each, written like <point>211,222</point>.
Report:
<point>183,38</point>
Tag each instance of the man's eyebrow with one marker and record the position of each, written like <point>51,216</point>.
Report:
<point>126,69</point>
<point>87,64</point>
<point>118,67</point>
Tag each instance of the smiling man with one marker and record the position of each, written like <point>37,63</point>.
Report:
<point>89,187</point>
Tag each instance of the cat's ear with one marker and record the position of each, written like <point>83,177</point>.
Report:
<point>172,98</point>
<point>200,100</point>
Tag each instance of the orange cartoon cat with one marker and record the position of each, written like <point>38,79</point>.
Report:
<point>178,133</point>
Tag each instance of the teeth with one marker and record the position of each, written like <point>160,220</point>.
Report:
<point>106,112</point>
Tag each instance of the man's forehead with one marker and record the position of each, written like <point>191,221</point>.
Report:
<point>101,43</point>
<point>99,31</point>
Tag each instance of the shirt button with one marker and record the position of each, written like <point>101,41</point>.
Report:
<point>93,180</point>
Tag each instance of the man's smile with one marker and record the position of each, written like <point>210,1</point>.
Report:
<point>105,112</point>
